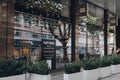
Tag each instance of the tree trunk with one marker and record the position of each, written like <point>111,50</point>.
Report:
<point>65,56</point>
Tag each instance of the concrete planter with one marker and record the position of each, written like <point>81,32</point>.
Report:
<point>39,77</point>
<point>74,76</point>
<point>27,76</point>
<point>16,77</point>
<point>115,69</point>
<point>104,72</point>
<point>91,74</point>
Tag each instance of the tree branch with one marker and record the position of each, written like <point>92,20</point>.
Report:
<point>60,31</point>
<point>52,30</point>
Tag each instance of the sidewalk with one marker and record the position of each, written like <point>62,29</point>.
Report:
<point>113,77</point>
<point>59,76</point>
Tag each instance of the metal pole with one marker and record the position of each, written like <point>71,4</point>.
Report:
<point>86,42</point>
<point>118,34</point>
<point>114,34</point>
<point>72,16</point>
<point>74,21</point>
<point>105,31</point>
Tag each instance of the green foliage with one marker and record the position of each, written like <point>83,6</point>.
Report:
<point>72,67</point>
<point>115,59</point>
<point>39,68</point>
<point>47,5</point>
<point>105,61</point>
<point>11,67</point>
<point>91,24</point>
<point>93,28</point>
<point>91,63</point>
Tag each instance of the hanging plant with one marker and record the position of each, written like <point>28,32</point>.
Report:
<point>91,23</point>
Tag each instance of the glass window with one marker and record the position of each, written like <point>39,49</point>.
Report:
<point>35,22</point>
<point>17,17</point>
<point>43,36</point>
<point>17,33</point>
<point>27,20</point>
<point>50,37</point>
<point>35,36</point>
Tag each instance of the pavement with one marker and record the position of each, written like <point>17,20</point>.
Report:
<point>58,75</point>
<point>112,77</point>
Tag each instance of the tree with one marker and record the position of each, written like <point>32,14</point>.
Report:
<point>40,5</point>
<point>61,31</point>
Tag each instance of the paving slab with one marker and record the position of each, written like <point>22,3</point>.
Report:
<point>59,76</point>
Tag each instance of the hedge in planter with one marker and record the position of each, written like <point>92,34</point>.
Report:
<point>11,67</point>
<point>72,71</point>
<point>91,63</point>
<point>115,64</point>
<point>105,67</point>
<point>115,59</point>
<point>106,61</point>
<point>72,67</point>
<point>39,68</point>
<point>39,71</point>
<point>90,66</point>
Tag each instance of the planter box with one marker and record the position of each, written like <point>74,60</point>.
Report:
<point>104,72</point>
<point>115,69</point>
<point>74,76</point>
<point>91,74</point>
<point>16,77</point>
<point>27,76</point>
<point>39,77</point>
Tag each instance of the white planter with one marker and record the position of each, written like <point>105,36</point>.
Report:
<point>115,69</point>
<point>39,77</point>
<point>104,72</point>
<point>16,77</point>
<point>74,76</point>
<point>91,74</point>
<point>27,76</point>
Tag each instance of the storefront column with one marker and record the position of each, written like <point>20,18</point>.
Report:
<point>105,31</point>
<point>6,28</point>
<point>74,21</point>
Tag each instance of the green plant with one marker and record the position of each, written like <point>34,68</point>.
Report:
<point>115,59</point>
<point>105,61</point>
<point>72,67</point>
<point>91,63</point>
<point>39,68</point>
<point>11,67</point>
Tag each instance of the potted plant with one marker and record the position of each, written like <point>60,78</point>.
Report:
<point>115,64</point>
<point>12,70</point>
<point>90,66</point>
<point>105,66</point>
<point>72,71</point>
<point>39,71</point>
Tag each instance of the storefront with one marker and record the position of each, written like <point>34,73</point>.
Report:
<point>94,35</point>
<point>26,48</point>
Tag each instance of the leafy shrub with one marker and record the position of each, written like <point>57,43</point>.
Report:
<point>72,67</point>
<point>11,67</point>
<point>105,61</point>
<point>39,68</point>
<point>91,63</point>
<point>115,59</point>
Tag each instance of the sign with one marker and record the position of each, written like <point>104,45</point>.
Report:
<point>48,49</point>
<point>26,43</point>
<point>112,21</point>
<point>82,8</point>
